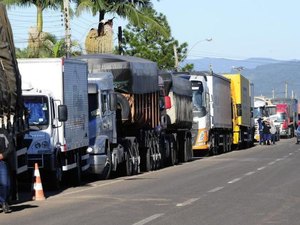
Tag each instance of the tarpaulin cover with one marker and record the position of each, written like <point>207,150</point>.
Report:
<point>131,74</point>
<point>179,85</point>
<point>10,79</point>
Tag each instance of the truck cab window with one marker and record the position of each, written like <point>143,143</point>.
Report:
<point>93,106</point>
<point>38,109</point>
<point>199,102</point>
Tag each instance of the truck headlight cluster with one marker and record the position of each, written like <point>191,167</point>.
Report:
<point>41,145</point>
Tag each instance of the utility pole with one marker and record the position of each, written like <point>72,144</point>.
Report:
<point>286,89</point>
<point>67,27</point>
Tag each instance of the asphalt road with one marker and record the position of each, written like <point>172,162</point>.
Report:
<point>260,185</point>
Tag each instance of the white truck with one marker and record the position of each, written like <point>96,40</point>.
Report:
<point>212,116</point>
<point>55,94</point>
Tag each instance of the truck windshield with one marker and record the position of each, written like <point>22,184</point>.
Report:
<point>199,102</point>
<point>281,117</point>
<point>37,107</point>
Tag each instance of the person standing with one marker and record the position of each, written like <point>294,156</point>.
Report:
<point>260,130</point>
<point>5,158</point>
<point>266,132</point>
<point>273,132</point>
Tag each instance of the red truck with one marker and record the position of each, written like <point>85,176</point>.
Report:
<point>287,117</point>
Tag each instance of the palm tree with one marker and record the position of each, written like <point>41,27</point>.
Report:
<point>51,47</point>
<point>40,6</point>
<point>101,40</point>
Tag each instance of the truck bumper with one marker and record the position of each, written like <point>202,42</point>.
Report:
<point>98,163</point>
<point>45,161</point>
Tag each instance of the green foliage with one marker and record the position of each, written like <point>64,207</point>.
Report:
<point>133,11</point>
<point>50,48</point>
<point>147,42</point>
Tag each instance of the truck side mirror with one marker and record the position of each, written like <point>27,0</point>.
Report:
<point>62,113</point>
<point>112,101</point>
<point>168,104</point>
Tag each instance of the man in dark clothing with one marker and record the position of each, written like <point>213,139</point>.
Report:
<point>267,133</point>
<point>5,155</point>
<point>260,130</point>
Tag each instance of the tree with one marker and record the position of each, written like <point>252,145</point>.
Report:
<point>148,43</point>
<point>51,47</point>
<point>40,6</point>
<point>132,10</point>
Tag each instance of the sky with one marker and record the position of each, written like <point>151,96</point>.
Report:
<point>239,29</point>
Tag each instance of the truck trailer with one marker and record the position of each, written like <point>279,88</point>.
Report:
<point>56,96</point>
<point>243,129</point>
<point>13,117</point>
<point>149,130</point>
<point>212,121</point>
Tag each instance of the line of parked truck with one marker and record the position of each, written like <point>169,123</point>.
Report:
<point>103,114</point>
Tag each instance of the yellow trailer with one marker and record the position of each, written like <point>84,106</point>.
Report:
<point>241,110</point>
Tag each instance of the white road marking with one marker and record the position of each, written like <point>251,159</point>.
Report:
<point>148,219</point>
<point>250,173</point>
<point>85,189</point>
<point>271,163</point>
<point>291,153</point>
<point>215,189</point>
<point>261,168</point>
<point>188,202</point>
<point>234,180</point>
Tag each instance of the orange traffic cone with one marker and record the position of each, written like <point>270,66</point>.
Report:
<point>37,186</point>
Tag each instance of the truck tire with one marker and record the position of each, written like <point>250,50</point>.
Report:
<point>76,172</point>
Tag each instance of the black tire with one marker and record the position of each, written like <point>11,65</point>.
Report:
<point>56,179</point>
<point>76,172</point>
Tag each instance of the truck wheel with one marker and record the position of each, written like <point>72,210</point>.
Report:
<point>189,148</point>
<point>76,172</point>
<point>56,178</point>
<point>173,152</point>
<point>213,150</point>
<point>128,167</point>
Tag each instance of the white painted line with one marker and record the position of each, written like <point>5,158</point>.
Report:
<point>215,189</point>
<point>278,159</point>
<point>261,168</point>
<point>86,189</point>
<point>234,180</point>
<point>250,173</point>
<point>188,202</point>
<point>271,163</point>
<point>148,219</point>
<point>291,153</point>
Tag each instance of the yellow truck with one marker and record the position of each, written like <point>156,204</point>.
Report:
<point>243,128</point>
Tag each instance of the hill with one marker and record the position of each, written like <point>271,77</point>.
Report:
<point>266,74</point>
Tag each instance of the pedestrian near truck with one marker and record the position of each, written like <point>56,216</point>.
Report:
<point>5,159</point>
<point>260,130</point>
<point>266,132</point>
<point>273,132</point>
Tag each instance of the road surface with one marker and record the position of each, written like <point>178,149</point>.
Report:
<point>260,185</point>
